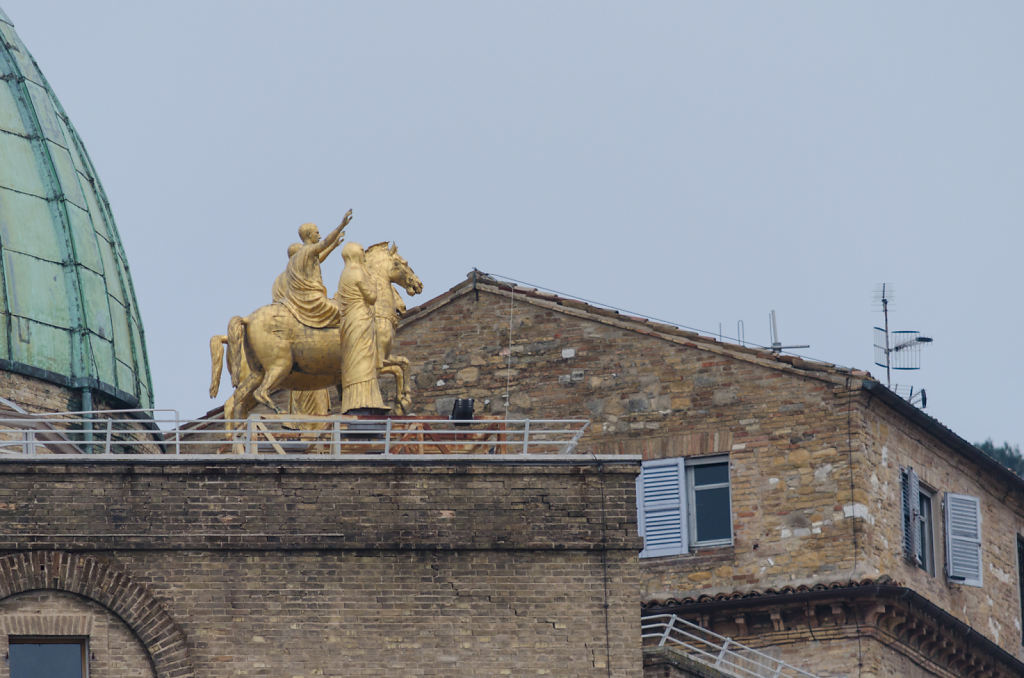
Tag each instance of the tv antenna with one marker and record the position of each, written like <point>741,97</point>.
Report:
<point>898,349</point>
<point>773,327</point>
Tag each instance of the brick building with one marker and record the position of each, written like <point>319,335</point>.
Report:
<point>148,564</point>
<point>796,506</point>
<point>356,566</point>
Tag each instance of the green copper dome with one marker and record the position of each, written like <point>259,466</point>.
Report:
<point>67,307</point>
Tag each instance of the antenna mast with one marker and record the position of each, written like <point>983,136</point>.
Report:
<point>898,349</point>
<point>773,327</point>
<point>885,313</point>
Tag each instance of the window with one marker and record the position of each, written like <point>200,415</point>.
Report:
<point>963,539</point>
<point>710,514</point>
<point>47,657</point>
<point>918,540</point>
<point>926,541</point>
<point>683,503</point>
<point>1020,580</point>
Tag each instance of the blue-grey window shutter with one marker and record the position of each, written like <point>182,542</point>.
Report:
<point>661,507</point>
<point>963,539</point>
<point>910,487</point>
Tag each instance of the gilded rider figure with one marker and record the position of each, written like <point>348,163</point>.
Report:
<point>359,362</point>
<point>301,287</point>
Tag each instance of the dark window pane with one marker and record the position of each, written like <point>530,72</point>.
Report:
<point>1020,577</point>
<point>46,660</point>
<point>708,474</point>
<point>712,514</point>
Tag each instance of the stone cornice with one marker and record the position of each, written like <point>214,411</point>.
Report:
<point>894,615</point>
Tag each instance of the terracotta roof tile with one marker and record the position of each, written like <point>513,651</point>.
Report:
<point>768,592</point>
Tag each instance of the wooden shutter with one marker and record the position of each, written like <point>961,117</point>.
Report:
<point>661,507</point>
<point>911,491</point>
<point>963,539</point>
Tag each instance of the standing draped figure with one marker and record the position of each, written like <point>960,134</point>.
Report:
<point>356,296</point>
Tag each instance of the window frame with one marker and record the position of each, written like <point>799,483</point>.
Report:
<point>1020,581</point>
<point>918,543</point>
<point>926,534</point>
<point>81,641</point>
<point>691,499</point>
<point>686,490</point>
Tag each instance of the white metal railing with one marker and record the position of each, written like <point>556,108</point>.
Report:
<point>712,649</point>
<point>111,433</point>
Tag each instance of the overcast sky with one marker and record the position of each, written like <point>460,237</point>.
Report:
<point>702,163</point>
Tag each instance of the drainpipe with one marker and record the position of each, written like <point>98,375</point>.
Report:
<point>87,425</point>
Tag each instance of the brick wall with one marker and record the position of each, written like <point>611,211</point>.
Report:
<point>114,651</point>
<point>349,567</point>
<point>38,395</point>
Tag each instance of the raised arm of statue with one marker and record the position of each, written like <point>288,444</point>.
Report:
<point>330,248</point>
<point>333,239</point>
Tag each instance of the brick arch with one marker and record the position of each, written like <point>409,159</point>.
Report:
<point>111,588</point>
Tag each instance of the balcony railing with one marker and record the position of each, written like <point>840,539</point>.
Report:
<point>135,432</point>
<point>720,652</point>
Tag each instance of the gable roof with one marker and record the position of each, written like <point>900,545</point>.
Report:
<point>477,281</point>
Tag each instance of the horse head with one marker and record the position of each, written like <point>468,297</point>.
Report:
<point>387,262</point>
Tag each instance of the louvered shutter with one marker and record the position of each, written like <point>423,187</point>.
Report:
<point>963,539</point>
<point>911,491</point>
<point>661,507</point>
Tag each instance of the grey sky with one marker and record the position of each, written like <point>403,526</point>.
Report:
<point>697,162</point>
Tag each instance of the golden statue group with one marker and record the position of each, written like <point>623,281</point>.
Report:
<point>307,342</point>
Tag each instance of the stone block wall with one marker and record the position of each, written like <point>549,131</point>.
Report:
<point>344,567</point>
<point>814,458</point>
<point>993,609</point>
<point>789,430</point>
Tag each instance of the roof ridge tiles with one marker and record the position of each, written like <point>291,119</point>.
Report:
<point>477,279</point>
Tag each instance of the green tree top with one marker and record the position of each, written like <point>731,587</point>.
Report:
<point>1006,454</point>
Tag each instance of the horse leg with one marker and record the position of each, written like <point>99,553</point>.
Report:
<point>274,374</point>
<point>393,371</point>
<point>240,403</point>
<point>405,390</point>
<point>401,365</point>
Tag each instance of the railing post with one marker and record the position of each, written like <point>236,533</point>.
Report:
<point>575,439</point>
<point>106,443</point>
<point>526,436</point>
<point>249,446</point>
<point>336,437</point>
<point>387,436</point>
<point>721,654</point>
<point>669,625</point>
<point>86,423</point>
<point>30,442</point>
